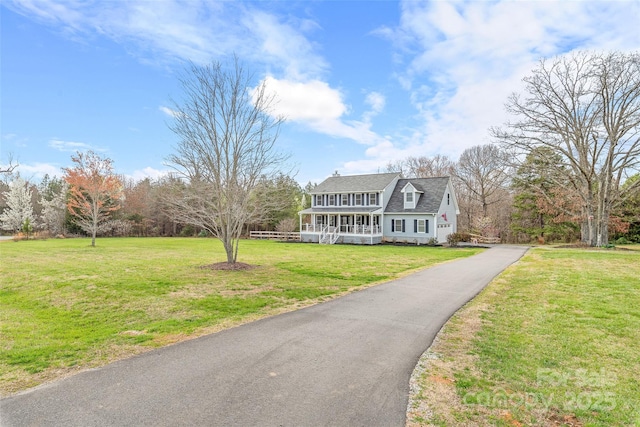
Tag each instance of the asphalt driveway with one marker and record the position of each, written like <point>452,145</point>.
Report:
<point>346,362</point>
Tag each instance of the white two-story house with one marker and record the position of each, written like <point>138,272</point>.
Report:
<point>376,208</point>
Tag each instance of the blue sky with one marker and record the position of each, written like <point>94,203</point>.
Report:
<point>362,83</point>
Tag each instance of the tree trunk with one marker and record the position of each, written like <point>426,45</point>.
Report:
<point>94,229</point>
<point>587,229</point>
<point>602,226</point>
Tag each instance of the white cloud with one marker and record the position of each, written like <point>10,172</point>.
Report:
<point>70,146</point>
<point>204,30</point>
<point>148,172</point>
<point>36,171</point>
<point>460,61</point>
<point>319,107</point>
<point>284,43</point>
<point>168,111</point>
<point>313,101</point>
<point>376,101</point>
<point>199,31</point>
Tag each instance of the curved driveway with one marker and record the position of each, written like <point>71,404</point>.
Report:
<point>346,362</point>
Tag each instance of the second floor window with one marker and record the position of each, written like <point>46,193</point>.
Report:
<point>409,197</point>
<point>345,200</point>
<point>358,200</point>
<point>332,200</point>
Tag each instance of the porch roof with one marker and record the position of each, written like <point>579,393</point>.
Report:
<point>343,210</point>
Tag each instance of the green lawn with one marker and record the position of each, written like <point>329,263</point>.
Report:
<point>66,306</point>
<point>555,340</point>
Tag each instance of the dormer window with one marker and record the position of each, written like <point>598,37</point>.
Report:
<point>411,195</point>
<point>408,197</point>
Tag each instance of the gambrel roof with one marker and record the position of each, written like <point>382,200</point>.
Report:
<point>432,189</point>
<point>355,183</point>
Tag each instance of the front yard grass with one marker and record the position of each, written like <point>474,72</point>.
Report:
<point>66,306</point>
<point>555,340</point>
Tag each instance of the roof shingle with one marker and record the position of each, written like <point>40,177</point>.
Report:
<point>355,183</point>
<point>429,202</point>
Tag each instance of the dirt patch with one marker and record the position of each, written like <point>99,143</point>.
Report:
<point>225,266</point>
<point>433,388</point>
<point>564,420</point>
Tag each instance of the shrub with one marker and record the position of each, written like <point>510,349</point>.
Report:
<point>454,238</point>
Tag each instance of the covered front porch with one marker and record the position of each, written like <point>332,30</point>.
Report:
<point>363,226</point>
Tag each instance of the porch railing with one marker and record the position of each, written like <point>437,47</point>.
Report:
<point>329,235</point>
<point>342,229</point>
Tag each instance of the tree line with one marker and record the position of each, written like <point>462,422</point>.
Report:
<point>134,208</point>
<point>564,168</point>
<point>520,203</point>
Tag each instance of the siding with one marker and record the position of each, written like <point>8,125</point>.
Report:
<point>409,235</point>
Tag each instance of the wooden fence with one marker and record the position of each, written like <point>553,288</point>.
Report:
<point>476,238</point>
<point>274,235</point>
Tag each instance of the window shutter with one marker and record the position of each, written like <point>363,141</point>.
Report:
<point>403,223</point>
<point>426,225</point>
<point>393,225</point>
<point>415,225</point>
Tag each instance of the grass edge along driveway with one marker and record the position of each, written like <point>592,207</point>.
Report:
<point>67,306</point>
<point>552,341</point>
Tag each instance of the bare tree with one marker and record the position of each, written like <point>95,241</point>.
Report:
<point>427,167</point>
<point>584,107</point>
<point>227,146</point>
<point>9,167</point>
<point>423,166</point>
<point>53,211</point>
<point>483,171</point>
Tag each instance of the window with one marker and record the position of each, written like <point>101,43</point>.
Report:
<point>318,200</point>
<point>372,199</point>
<point>332,199</point>
<point>345,200</point>
<point>358,201</point>
<point>397,225</point>
<point>408,197</point>
<point>448,198</point>
<point>422,226</point>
